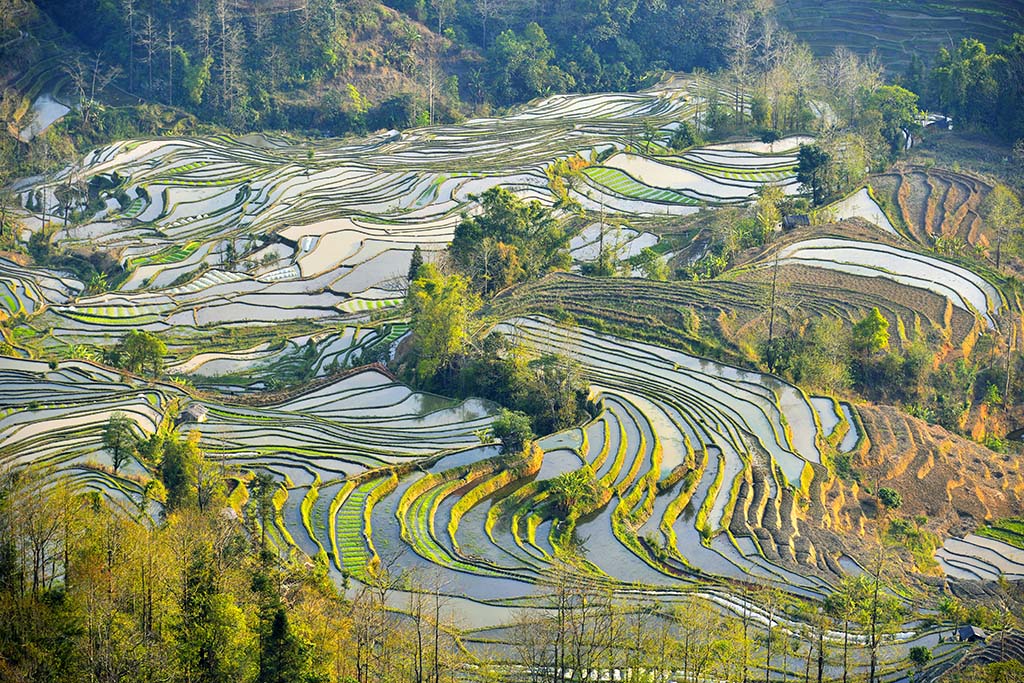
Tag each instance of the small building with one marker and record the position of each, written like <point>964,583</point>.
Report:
<point>796,220</point>
<point>971,634</point>
<point>193,413</point>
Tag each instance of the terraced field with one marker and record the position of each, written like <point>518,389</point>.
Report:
<point>897,30</point>
<point>933,203</point>
<point>344,427</point>
<point>264,262</point>
<point>701,468</point>
<point>229,231</point>
<point>961,287</point>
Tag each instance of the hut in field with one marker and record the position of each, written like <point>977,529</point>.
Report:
<point>971,634</point>
<point>193,413</point>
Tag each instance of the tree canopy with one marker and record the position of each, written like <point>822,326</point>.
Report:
<point>871,334</point>
<point>441,306</point>
<point>513,429</point>
<point>510,241</point>
<point>139,351</point>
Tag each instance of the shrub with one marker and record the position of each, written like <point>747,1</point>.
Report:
<point>513,429</point>
<point>890,498</point>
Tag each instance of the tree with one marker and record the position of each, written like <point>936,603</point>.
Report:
<point>196,76</point>
<point>510,241</point>
<point>812,172</point>
<point>400,111</point>
<point>650,132</point>
<point>919,657</point>
<point>899,113</point>
<point>871,334</point>
<point>845,604</point>
<point>89,78</point>
<point>1004,216</point>
<point>883,611</point>
<point>128,9</point>
<point>119,439</point>
<point>770,137</point>
<point>441,308</point>
<point>179,469</point>
<point>684,136</point>
<point>285,656</point>
<point>414,263</point>
<point>209,634</point>
<point>443,9</point>
<point>769,216</point>
<point>521,67</point>
<point>820,356</point>
<point>138,350</point>
<point>171,53</point>
<point>964,82</point>
<point>148,39</point>
<point>575,492</point>
<point>513,429</point>
<point>740,52</point>
<point>264,487</point>
<point>490,9</point>
<point>651,264</point>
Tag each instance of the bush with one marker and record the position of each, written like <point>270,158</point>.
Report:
<point>512,428</point>
<point>890,498</point>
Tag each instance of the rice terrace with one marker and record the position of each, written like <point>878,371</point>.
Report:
<point>348,341</point>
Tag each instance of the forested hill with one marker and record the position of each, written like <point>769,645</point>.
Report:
<point>341,66</point>
<point>356,64</point>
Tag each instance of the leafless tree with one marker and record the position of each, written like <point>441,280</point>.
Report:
<point>128,8</point>
<point>149,40</point>
<point>740,45</point>
<point>89,78</point>
<point>489,10</point>
<point>443,9</point>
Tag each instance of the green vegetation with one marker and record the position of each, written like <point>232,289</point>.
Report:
<point>1006,530</point>
<point>617,288</point>
<point>871,334</point>
<point>119,439</point>
<point>139,351</point>
<point>441,307</point>
<point>513,430</point>
<point>320,68</point>
<point>511,241</point>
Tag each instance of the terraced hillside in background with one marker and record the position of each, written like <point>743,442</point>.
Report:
<point>897,29</point>
<point>838,271</point>
<point>260,230</point>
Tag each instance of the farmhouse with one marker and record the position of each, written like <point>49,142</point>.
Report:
<point>193,413</point>
<point>971,634</point>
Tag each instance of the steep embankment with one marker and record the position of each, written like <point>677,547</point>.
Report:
<point>956,483</point>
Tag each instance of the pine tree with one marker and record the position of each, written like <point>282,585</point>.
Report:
<point>285,656</point>
<point>415,263</point>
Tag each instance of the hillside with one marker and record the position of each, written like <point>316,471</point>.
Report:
<point>342,341</point>
<point>901,30</point>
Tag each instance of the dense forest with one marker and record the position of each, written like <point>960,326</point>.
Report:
<point>358,65</point>
<point>346,66</point>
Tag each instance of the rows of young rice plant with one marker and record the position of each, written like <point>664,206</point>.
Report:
<point>26,290</point>
<point>57,417</point>
<point>678,443</point>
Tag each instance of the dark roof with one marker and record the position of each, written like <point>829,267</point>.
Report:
<point>969,632</point>
<point>795,220</point>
